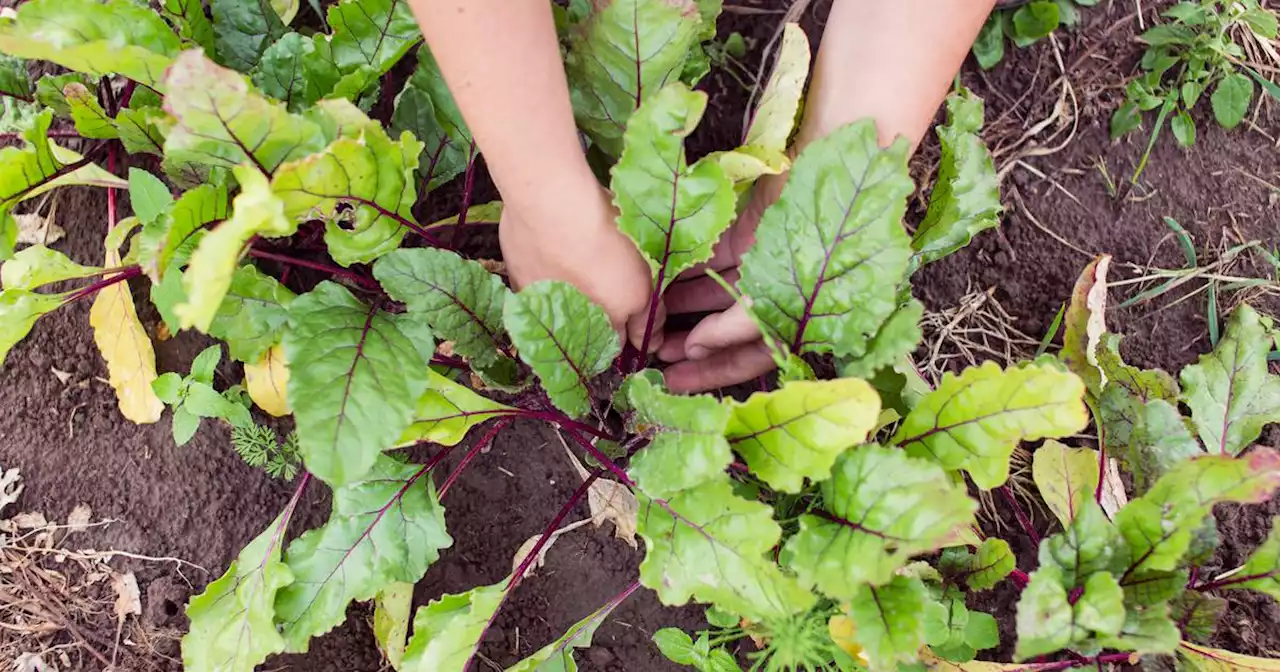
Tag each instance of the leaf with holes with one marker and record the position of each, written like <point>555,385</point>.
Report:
<point>558,655</point>
<point>973,421</point>
<point>708,544</point>
<point>223,122</point>
<point>797,432</point>
<point>365,170</point>
<point>256,211</point>
<point>869,526</point>
<point>98,38</point>
<point>460,299</point>
<point>447,632</point>
<point>447,411</point>
<point>1066,477</point>
<point>1231,393</point>
<point>688,446</point>
<point>622,53</point>
<point>831,253</point>
<point>965,200</point>
<point>673,212</point>
<point>243,30</point>
<point>384,529</point>
<point>233,621</point>
<point>356,376</point>
<point>253,313</point>
<point>564,337</point>
<point>427,109</point>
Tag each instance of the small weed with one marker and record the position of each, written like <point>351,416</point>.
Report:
<point>1024,26</point>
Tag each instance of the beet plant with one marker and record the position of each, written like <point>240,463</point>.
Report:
<point>830,518</point>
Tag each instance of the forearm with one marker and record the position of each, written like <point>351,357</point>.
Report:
<point>893,61</point>
<point>502,63</point>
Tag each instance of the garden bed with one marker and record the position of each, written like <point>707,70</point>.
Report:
<point>202,504</point>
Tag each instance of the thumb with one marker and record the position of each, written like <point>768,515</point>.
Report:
<point>721,330</point>
<point>635,328</point>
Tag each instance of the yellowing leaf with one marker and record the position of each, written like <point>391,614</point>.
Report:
<point>935,664</point>
<point>1086,322</point>
<point>131,359</point>
<point>391,621</point>
<point>1066,477</point>
<point>842,630</point>
<point>447,411</point>
<point>266,381</point>
<point>775,117</point>
<point>1205,659</point>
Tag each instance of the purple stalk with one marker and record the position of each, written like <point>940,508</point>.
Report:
<point>1231,581</point>
<point>1104,659</point>
<point>565,422</point>
<point>468,185</point>
<point>1023,520</point>
<point>278,535</point>
<point>600,457</point>
<point>314,265</point>
<point>1019,577</point>
<point>451,362</point>
<point>90,290</point>
<point>471,455</point>
<point>1102,464</point>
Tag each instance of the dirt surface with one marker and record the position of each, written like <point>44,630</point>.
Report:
<point>200,503</point>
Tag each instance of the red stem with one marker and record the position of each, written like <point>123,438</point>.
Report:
<point>1102,464</point>
<point>1231,581</point>
<point>565,422</point>
<point>90,290</point>
<point>315,265</point>
<point>471,455</point>
<point>1104,659</point>
<point>600,457</point>
<point>1019,577</point>
<point>468,184</point>
<point>1023,520</point>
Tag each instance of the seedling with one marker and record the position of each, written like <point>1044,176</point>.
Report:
<point>193,397</point>
<point>1024,26</point>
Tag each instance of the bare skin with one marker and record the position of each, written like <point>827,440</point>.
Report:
<point>892,61</point>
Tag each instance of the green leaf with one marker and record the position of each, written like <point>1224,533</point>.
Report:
<point>1230,99</point>
<point>988,49</point>
<point>622,53</point>
<point>372,33</point>
<point>973,421</point>
<point>447,411</point>
<point>297,71</point>
<point>19,310</point>
<point>1066,477</point>
<point>1230,392</point>
<point>1084,547</point>
<point>460,299</point>
<point>1035,20</point>
<point>708,544</point>
<point>356,375</point>
<point>966,196</point>
<point>427,109</point>
<point>185,425</point>
<point>869,526</point>
<point>1047,621</point>
<point>252,315</point>
<point>14,79</point>
<point>98,38</point>
<point>192,24</point>
<point>203,401</point>
<point>1159,526</point>
<point>255,212</point>
<point>688,447</point>
<point>1145,631</point>
<point>888,621</point>
<point>223,122</point>
<point>38,265</point>
<point>90,119</point>
<point>144,130</point>
<point>893,343</point>
<point>49,91</point>
<point>1184,129</point>
<point>558,655</point>
<point>365,170</point>
<point>446,632</point>
<point>831,252</point>
<point>1144,384</point>
<point>168,387</point>
<point>205,363</point>
<point>1197,613</point>
<point>990,566</point>
<point>1261,572</point>
<point>564,337</point>
<point>1126,119</point>
<point>1151,437</point>
<point>385,529</point>
<point>391,621</point>
<point>673,212</point>
<point>244,29</point>
<point>1153,588</point>
<point>1262,22</point>
<point>40,167</point>
<point>797,432</point>
<point>232,621</point>
<point>174,236</point>
<point>676,645</point>
<point>148,196</point>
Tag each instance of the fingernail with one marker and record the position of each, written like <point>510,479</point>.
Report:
<point>697,352</point>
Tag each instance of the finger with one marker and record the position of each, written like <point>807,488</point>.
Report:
<point>722,330</point>
<point>700,295</point>
<point>635,329</point>
<point>672,349</point>
<point>726,367</point>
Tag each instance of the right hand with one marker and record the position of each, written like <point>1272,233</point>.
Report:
<point>575,239</point>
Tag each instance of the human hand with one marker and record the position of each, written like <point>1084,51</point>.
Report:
<point>574,239</point>
<point>726,347</point>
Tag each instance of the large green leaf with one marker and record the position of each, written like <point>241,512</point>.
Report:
<point>447,411</point>
<point>173,236</point>
<point>974,421</point>
<point>14,79</point>
<point>297,71</point>
<point>966,196</point>
<point>892,344</point>
<point>243,30</point>
<point>460,299</point>
<point>1066,478</point>
<point>1152,437</point>
<point>869,526</point>
<point>558,655</point>
<point>385,528</point>
<point>564,337</point>
<point>1230,392</point>
<point>830,254</point>
<point>1158,527</point>
<point>223,122</point>
<point>889,621</point>
<point>255,212</point>
<point>1145,631</point>
<point>90,119</point>
<point>356,374</point>
<point>233,621</point>
<point>192,23</point>
<point>372,33</point>
<point>1145,385</point>
<point>100,38</point>
<point>1085,547</point>
<point>446,632</point>
<point>252,315</point>
<point>427,109</point>
<point>797,432</point>
<point>38,265</point>
<point>688,446</point>
<point>1048,620</point>
<point>1231,99</point>
<point>708,544</point>
<point>145,130</point>
<point>1261,572</point>
<point>19,310</point>
<point>625,51</point>
<point>673,212</point>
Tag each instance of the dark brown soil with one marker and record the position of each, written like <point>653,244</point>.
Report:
<point>202,504</point>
